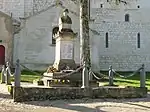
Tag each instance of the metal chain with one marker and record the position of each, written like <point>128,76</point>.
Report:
<point>30,70</point>
<point>98,78</point>
<point>9,71</point>
<point>130,75</point>
<point>60,76</point>
<point>68,74</point>
<point>102,74</point>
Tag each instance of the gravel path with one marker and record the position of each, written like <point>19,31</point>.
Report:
<point>84,105</point>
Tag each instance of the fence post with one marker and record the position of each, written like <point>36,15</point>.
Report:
<point>17,74</point>
<point>85,78</point>
<point>111,76</point>
<point>3,74</point>
<point>8,80</point>
<point>142,76</point>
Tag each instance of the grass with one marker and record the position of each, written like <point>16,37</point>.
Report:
<point>27,76</point>
<point>134,81</point>
<point>131,81</point>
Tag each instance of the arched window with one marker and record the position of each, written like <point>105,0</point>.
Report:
<point>127,17</point>
<point>54,32</point>
<point>106,39</point>
<point>138,40</point>
<point>101,5</point>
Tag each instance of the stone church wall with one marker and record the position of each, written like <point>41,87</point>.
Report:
<point>36,51</point>
<point>35,48</point>
<point>16,7</point>
<point>123,52</point>
<point>6,35</point>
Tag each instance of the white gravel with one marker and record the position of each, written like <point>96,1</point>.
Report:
<point>84,105</point>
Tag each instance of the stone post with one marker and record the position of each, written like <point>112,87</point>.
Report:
<point>17,74</point>
<point>85,81</point>
<point>3,74</point>
<point>111,76</point>
<point>8,74</point>
<point>142,76</point>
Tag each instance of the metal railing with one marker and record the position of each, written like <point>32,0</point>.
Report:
<point>112,73</point>
<point>6,74</point>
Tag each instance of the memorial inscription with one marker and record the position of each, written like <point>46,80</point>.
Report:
<point>67,51</point>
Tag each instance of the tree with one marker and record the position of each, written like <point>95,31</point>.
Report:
<point>84,42</point>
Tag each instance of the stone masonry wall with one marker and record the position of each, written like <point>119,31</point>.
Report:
<point>16,7</point>
<point>22,94</point>
<point>122,52</point>
<point>36,50</point>
<point>35,38</point>
<point>6,31</point>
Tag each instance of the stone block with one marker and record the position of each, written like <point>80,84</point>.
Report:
<point>38,82</point>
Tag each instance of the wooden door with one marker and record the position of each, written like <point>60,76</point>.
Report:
<point>2,55</point>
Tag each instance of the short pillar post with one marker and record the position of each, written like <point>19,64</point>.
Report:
<point>90,75</point>
<point>8,74</point>
<point>85,76</point>
<point>3,74</point>
<point>17,74</point>
<point>111,76</point>
<point>142,76</point>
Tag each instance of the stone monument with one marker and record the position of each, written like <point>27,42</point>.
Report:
<point>64,53</point>
<point>64,71</point>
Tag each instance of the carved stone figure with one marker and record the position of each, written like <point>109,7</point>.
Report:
<point>65,18</point>
<point>65,22</point>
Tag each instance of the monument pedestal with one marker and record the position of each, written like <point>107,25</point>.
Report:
<point>64,55</point>
<point>57,75</point>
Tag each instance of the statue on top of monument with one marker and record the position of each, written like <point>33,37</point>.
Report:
<point>65,18</point>
<point>65,22</point>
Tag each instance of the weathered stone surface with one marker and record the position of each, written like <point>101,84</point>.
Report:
<point>117,92</point>
<point>21,94</point>
<point>33,43</point>
<point>6,34</point>
<point>31,94</point>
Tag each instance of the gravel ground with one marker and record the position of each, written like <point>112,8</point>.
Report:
<point>84,105</point>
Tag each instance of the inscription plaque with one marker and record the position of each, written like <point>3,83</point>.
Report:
<point>67,51</point>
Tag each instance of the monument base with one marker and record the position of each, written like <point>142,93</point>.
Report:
<point>57,80</point>
<point>63,76</point>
